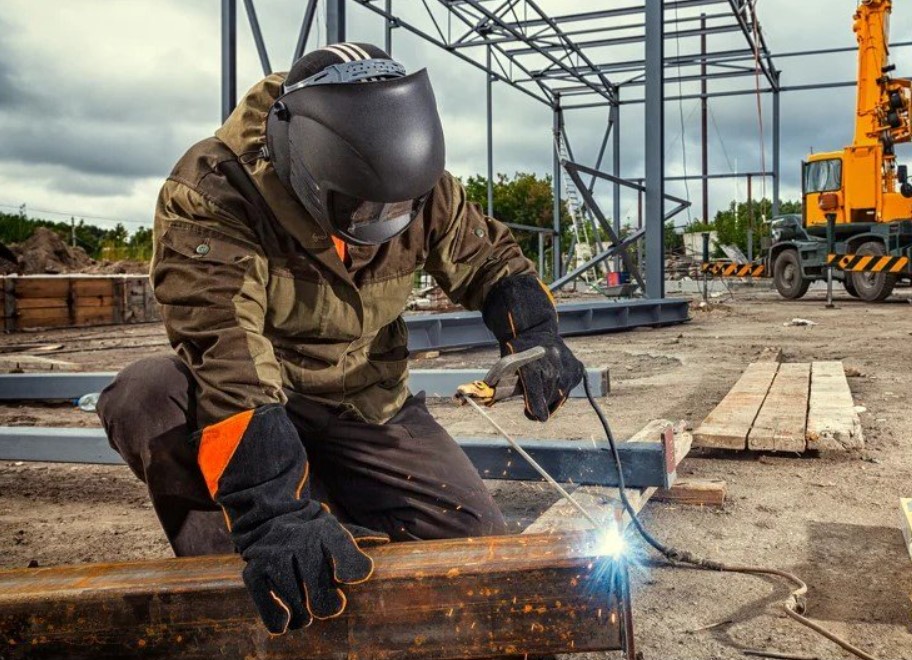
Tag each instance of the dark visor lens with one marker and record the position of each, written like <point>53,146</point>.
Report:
<point>373,220</point>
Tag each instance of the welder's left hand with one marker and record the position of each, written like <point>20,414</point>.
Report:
<point>520,311</point>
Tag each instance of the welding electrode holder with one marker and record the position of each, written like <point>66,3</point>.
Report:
<point>502,381</point>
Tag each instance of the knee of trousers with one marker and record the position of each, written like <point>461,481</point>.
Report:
<point>147,398</point>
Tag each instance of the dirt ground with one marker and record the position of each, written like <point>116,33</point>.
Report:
<point>831,519</point>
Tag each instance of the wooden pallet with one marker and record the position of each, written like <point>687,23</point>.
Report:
<point>789,407</point>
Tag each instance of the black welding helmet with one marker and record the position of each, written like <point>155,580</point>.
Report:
<point>357,140</point>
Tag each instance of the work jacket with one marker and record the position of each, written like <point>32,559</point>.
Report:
<point>256,300</point>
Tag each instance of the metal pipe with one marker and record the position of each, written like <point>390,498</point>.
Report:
<point>229,57</point>
<point>655,150</point>
<point>258,37</point>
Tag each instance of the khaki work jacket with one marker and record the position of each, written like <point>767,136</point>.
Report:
<point>257,302</point>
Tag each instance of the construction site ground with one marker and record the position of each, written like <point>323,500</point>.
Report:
<point>831,519</point>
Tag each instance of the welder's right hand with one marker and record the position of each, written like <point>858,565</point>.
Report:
<point>294,571</point>
<point>297,553</point>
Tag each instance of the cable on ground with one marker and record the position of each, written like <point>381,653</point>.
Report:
<point>795,605</point>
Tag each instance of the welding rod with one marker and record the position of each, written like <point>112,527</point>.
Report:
<point>538,468</point>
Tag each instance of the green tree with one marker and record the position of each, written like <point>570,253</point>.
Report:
<point>732,225</point>
<point>524,199</point>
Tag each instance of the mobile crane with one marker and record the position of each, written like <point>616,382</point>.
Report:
<point>855,187</point>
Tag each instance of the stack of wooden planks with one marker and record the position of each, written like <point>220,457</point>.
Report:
<point>790,407</point>
<point>48,301</point>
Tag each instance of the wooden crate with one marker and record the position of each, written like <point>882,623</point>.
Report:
<point>49,301</point>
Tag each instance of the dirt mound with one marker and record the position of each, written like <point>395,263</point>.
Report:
<point>123,267</point>
<point>45,252</point>
<point>9,263</point>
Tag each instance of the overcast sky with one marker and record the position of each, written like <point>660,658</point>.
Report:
<point>99,98</point>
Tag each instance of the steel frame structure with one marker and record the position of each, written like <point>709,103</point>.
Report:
<point>569,62</point>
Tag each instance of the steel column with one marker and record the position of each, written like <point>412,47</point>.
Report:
<point>557,128</point>
<point>750,217</point>
<point>335,21</point>
<point>388,29</point>
<point>616,168</point>
<point>655,150</point>
<point>229,57</point>
<point>777,138</point>
<point>704,123</point>
<point>489,89</point>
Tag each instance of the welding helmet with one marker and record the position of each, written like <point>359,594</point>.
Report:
<point>357,140</point>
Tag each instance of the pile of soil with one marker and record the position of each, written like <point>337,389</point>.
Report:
<point>9,263</point>
<point>45,252</point>
<point>123,267</point>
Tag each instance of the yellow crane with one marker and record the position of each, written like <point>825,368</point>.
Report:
<point>861,186</point>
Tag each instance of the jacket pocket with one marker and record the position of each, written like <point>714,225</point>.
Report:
<point>205,245</point>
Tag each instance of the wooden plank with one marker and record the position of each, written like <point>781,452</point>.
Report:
<point>42,318</point>
<point>905,522</point>
<point>94,301</point>
<point>94,286</point>
<point>699,492</point>
<point>781,424</point>
<point>41,287</point>
<point>42,303</point>
<point>728,425</point>
<point>94,315</point>
<point>465,598</point>
<point>832,423</point>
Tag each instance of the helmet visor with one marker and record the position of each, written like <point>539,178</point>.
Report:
<point>371,223</point>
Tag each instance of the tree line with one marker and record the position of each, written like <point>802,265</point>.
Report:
<point>524,198</point>
<point>99,243</point>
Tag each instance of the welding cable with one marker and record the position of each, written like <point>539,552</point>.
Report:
<point>795,605</point>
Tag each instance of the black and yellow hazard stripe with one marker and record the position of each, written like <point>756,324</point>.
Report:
<point>868,263</point>
<point>728,269</point>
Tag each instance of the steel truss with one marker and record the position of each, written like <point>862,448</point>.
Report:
<point>578,60</point>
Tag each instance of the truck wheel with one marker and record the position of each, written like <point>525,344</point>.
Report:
<point>850,286</point>
<point>787,276</point>
<point>873,287</point>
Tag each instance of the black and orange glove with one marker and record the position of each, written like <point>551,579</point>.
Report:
<point>297,553</point>
<point>520,311</point>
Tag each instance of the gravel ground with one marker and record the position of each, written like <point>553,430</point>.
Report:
<point>832,519</point>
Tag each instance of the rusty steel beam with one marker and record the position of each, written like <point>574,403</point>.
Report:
<point>466,598</point>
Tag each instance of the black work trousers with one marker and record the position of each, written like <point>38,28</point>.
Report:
<point>406,477</point>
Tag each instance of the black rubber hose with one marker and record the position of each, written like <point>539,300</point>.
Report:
<point>794,606</point>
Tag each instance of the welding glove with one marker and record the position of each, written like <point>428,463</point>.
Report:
<point>297,553</point>
<point>520,311</point>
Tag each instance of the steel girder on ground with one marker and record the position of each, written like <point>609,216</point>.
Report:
<point>645,464</point>
<point>55,386</point>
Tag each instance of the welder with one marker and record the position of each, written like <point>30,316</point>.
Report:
<point>286,247</point>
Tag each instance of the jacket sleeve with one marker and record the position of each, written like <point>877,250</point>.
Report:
<point>210,275</point>
<point>468,252</point>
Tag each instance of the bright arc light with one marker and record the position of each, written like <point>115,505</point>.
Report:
<point>610,542</point>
